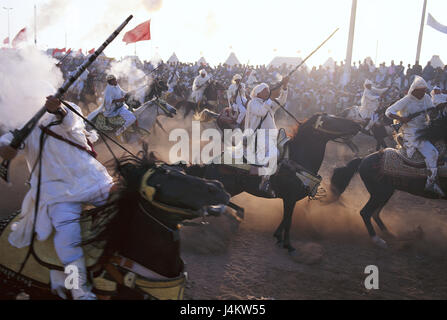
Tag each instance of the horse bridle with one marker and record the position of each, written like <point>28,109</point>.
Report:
<point>318,126</point>
<point>148,192</point>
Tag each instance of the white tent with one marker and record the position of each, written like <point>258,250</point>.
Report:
<point>330,63</point>
<point>436,62</point>
<point>173,59</point>
<point>232,60</point>
<point>202,61</point>
<point>289,61</point>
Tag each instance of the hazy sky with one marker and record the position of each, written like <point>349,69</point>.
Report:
<point>256,30</point>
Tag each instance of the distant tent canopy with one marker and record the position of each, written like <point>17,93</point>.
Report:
<point>436,62</point>
<point>173,59</point>
<point>330,63</point>
<point>288,61</point>
<point>232,60</point>
<point>202,61</point>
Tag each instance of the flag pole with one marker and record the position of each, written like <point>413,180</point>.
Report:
<point>348,62</point>
<point>9,28</point>
<point>421,33</point>
<point>35,25</point>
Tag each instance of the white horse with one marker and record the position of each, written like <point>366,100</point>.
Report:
<point>145,105</point>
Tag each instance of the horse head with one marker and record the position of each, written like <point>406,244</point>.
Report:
<point>332,127</point>
<point>151,200</point>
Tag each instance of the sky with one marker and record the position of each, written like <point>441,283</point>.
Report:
<point>256,30</point>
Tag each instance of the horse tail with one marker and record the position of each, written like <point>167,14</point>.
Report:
<point>342,176</point>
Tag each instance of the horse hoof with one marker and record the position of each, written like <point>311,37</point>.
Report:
<point>279,244</point>
<point>291,251</point>
<point>379,242</point>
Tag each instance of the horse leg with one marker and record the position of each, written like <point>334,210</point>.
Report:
<point>375,204</point>
<point>378,220</point>
<point>289,205</point>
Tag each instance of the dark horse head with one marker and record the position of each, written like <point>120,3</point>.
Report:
<point>149,92</point>
<point>211,91</point>
<point>142,223</point>
<point>315,133</point>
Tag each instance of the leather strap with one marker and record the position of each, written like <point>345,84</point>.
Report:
<point>53,134</point>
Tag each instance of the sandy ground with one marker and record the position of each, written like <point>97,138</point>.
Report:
<point>227,260</point>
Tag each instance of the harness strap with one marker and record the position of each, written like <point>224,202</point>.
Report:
<point>53,134</point>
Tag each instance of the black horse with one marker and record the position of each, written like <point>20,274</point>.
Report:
<point>380,186</point>
<point>211,94</point>
<point>153,90</point>
<point>306,150</point>
<point>139,226</point>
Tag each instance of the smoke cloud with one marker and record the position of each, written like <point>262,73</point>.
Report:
<point>27,77</point>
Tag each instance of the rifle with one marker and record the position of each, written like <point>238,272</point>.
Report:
<point>399,125</point>
<point>19,136</point>
<point>240,83</point>
<point>307,58</point>
<point>296,68</point>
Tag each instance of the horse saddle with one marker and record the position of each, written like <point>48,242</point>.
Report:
<point>417,160</point>
<point>397,164</point>
<point>44,259</point>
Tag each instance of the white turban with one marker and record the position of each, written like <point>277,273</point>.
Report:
<point>259,88</point>
<point>203,71</point>
<point>418,83</point>
<point>110,77</point>
<point>367,81</point>
<point>236,77</point>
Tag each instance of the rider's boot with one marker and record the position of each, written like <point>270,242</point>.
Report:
<point>266,187</point>
<point>83,290</point>
<point>432,185</point>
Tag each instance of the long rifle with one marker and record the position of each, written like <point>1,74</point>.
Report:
<point>296,68</point>
<point>19,136</point>
<point>412,116</point>
<point>307,58</point>
<point>240,83</point>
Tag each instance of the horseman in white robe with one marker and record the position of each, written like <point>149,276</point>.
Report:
<point>437,97</point>
<point>370,103</point>
<point>415,101</point>
<point>198,87</point>
<point>79,84</point>
<point>236,95</point>
<point>71,177</point>
<point>261,116</point>
<point>114,105</point>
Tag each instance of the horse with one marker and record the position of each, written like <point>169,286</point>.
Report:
<point>212,95</point>
<point>378,131</point>
<point>132,247</point>
<point>382,182</point>
<point>146,105</point>
<point>306,151</point>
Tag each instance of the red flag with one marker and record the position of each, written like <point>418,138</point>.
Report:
<point>140,33</point>
<point>92,51</point>
<point>59,50</point>
<point>20,37</point>
<point>6,41</point>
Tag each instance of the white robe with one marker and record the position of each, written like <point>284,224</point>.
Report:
<point>406,106</point>
<point>198,88</point>
<point>257,109</point>
<point>241,100</point>
<point>68,175</point>
<point>370,102</point>
<point>112,93</point>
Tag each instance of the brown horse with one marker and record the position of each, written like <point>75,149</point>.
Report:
<point>137,233</point>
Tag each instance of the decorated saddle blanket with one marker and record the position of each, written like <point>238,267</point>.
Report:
<point>12,258</point>
<point>417,160</point>
<point>396,164</point>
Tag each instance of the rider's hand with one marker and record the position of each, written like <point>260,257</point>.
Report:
<point>404,120</point>
<point>285,82</point>
<point>52,104</point>
<point>8,153</point>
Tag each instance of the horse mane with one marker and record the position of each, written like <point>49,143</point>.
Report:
<point>435,131</point>
<point>108,220</point>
